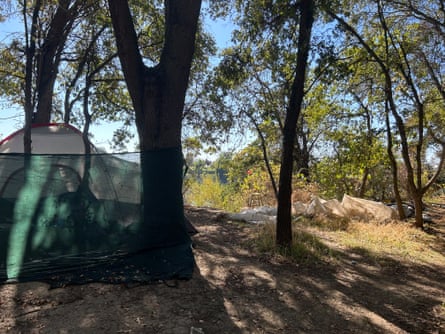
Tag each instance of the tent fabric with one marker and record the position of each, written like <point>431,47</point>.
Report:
<point>75,218</point>
<point>366,209</point>
<point>52,138</point>
<point>349,207</point>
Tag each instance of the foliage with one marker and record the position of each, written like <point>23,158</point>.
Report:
<point>392,70</point>
<point>369,61</point>
<point>254,182</point>
<point>343,171</point>
<point>210,192</point>
<point>229,182</point>
<point>89,84</point>
<point>248,158</point>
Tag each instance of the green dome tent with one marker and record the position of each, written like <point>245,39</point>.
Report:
<point>71,217</point>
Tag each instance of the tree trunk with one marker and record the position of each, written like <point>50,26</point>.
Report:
<point>48,62</point>
<point>362,186</point>
<point>158,95</point>
<point>393,162</point>
<point>265,155</point>
<point>418,209</point>
<point>30,54</point>
<point>284,218</point>
<point>302,154</point>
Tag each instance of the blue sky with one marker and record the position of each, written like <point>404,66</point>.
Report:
<point>11,117</point>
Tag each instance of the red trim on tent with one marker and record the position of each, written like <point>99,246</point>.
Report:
<point>40,125</point>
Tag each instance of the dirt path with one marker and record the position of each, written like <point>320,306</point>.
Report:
<point>236,291</point>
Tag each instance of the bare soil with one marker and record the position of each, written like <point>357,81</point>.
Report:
<point>236,290</point>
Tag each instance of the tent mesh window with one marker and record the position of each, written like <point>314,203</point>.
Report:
<point>77,218</point>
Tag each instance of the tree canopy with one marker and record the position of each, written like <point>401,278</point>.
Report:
<point>346,95</point>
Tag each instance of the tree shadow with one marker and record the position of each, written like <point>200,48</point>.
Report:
<point>354,294</point>
<point>235,290</point>
<point>164,307</point>
<point>402,294</point>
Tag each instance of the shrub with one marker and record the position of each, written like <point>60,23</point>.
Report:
<point>211,193</point>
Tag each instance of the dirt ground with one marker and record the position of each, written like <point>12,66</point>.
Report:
<point>235,290</point>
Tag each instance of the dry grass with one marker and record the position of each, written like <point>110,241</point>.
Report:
<point>316,240</point>
<point>306,246</point>
<point>397,240</point>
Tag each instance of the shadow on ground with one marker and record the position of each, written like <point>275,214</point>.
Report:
<point>235,290</point>
<point>168,307</point>
<point>353,296</point>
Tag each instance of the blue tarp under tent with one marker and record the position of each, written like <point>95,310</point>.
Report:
<point>71,217</point>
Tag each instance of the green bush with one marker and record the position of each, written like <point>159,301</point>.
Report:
<point>211,193</point>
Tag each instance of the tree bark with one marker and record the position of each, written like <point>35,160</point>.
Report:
<point>301,152</point>
<point>394,168</point>
<point>158,92</point>
<point>49,59</point>
<point>158,95</point>
<point>265,155</point>
<point>30,54</point>
<point>284,218</point>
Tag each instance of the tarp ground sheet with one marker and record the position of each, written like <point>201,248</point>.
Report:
<point>69,219</point>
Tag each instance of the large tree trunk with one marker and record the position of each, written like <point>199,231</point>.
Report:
<point>284,218</point>
<point>158,95</point>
